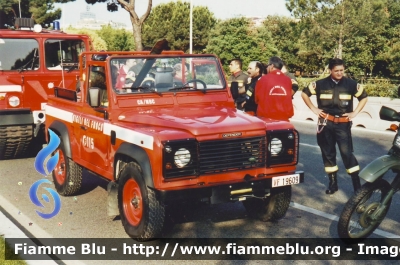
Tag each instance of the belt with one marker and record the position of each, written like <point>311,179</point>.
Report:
<point>336,119</point>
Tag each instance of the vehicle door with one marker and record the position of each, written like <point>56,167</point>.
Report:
<point>94,144</point>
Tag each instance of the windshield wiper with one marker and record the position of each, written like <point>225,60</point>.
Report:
<point>147,89</point>
<point>181,88</point>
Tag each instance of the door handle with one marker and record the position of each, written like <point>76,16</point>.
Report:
<point>83,127</point>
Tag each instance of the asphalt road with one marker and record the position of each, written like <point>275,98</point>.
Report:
<point>311,215</point>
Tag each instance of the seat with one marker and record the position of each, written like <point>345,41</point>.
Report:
<point>98,79</point>
<point>163,78</point>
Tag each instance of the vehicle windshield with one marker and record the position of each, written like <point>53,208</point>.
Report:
<point>166,74</point>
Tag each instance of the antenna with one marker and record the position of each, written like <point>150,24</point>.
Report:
<point>62,64</point>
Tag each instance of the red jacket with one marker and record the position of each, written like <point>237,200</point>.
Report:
<point>274,96</point>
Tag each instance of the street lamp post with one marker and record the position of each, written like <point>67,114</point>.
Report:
<point>191,27</point>
<point>19,2</point>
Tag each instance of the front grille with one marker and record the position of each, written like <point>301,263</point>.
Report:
<point>231,155</point>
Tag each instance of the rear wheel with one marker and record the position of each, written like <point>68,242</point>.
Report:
<point>356,219</point>
<point>142,214</point>
<point>271,208</point>
<point>67,175</point>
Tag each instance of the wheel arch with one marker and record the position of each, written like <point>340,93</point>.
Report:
<point>129,152</point>
<point>62,131</point>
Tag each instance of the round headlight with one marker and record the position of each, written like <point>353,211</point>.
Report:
<point>275,146</point>
<point>182,157</point>
<point>14,101</point>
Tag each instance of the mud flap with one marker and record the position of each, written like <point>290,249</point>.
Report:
<point>37,128</point>
<point>112,199</point>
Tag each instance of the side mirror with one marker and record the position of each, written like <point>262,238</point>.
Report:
<point>388,114</point>
<point>94,97</point>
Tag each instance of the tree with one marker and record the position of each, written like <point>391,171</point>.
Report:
<point>285,33</point>
<point>341,28</point>
<point>42,11</point>
<point>129,6</point>
<point>171,21</point>
<point>116,39</point>
<point>390,57</point>
<point>239,38</point>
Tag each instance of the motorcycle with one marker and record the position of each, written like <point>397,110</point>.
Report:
<point>367,208</point>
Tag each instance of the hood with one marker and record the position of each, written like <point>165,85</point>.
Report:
<point>197,120</point>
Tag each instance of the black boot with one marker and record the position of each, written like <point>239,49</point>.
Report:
<point>333,187</point>
<point>356,181</point>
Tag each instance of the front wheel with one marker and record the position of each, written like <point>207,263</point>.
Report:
<point>142,214</point>
<point>67,175</point>
<point>271,208</point>
<point>356,220</point>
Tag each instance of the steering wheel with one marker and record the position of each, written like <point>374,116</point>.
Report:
<point>196,80</point>
<point>146,84</point>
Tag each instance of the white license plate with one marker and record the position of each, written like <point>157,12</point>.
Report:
<point>285,180</point>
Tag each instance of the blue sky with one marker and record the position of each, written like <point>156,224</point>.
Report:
<point>222,9</point>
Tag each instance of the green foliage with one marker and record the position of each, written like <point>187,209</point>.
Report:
<point>5,248</point>
<point>42,11</point>
<point>305,81</point>
<point>381,87</point>
<point>239,38</point>
<point>171,21</point>
<point>390,56</point>
<point>117,39</point>
<point>285,33</point>
<point>98,43</point>
<point>358,25</point>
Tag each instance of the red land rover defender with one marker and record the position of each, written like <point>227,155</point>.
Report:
<point>31,65</point>
<point>168,133</point>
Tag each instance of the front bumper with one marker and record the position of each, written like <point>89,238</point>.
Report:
<point>16,117</point>
<point>225,192</point>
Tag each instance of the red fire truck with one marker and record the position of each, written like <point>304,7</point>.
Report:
<point>32,62</point>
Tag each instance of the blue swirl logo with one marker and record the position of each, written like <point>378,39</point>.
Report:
<point>45,152</point>
<point>45,166</point>
<point>33,195</point>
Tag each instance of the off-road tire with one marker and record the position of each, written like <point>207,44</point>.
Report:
<point>67,175</point>
<point>142,214</point>
<point>14,141</point>
<point>272,208</point>
<point>361,196</point>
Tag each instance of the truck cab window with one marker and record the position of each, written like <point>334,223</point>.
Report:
<point>19,54</point>
<point>59,53</point>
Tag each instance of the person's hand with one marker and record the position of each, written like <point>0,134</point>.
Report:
<point>350,115</point>
<point>243,103</point>
<point>319,112</point>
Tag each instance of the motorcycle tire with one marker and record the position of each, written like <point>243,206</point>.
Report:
<point>355,221</point>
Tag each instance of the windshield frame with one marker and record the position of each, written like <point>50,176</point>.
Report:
<point>153,66</point>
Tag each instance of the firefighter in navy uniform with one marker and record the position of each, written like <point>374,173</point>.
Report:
<point>255,71</point>
<point>335,112</point>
